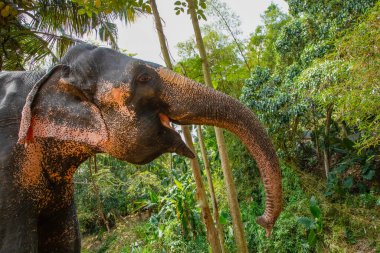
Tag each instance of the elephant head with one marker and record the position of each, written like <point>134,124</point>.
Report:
<point>123,106</point>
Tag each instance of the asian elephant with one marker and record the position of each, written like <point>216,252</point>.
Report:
<point>99,100</point>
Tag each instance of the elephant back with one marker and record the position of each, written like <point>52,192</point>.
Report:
<point>14,88</point>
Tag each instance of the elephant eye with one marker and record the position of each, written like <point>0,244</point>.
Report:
<point>144,78</point>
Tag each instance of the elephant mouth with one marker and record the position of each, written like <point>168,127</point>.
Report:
<point>178,146</point>
<point>165,120</point>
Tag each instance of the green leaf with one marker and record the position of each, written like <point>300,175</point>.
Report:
<point>177,3</point>
<point>81,11</point>
<point>315,211</point>
<point>313,201</point>
<point>148,9</point>
<point>348,182</point>
<point>178,184</point>
<point>306,222</point>
<point>369,175</point>
<point>153,196</point>
<point>135,4</point>
<point>314,208</point>
<point>312,238</point>
<point>153,220</point>
<point>223,218</point>
<point>215,84</point>
<point>203,16</point>
<point>89,13</point>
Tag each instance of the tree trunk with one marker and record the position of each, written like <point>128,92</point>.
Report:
<point>326,150</point>
<point>316,141</point>
<point>211,187</point>
<point>212,233</point>
<point>231,190</point>
<point>161,35</point>
<point>231,193</point>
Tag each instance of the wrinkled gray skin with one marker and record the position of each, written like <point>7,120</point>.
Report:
<point>99,100</point>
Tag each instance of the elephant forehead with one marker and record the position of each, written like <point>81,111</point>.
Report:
<point>116,97</point>
<point>109,94</point>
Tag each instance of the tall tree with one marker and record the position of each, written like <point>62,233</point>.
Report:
<point>228,21</point>
<point>212,233</point>
<point>261,46</point>
<point>231,189</point>
<point>214,201</point>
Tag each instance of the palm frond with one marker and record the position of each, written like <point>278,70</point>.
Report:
<point>108,32</point>
<point>49,27</point>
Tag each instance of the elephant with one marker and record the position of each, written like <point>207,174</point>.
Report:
<point>98,100</point>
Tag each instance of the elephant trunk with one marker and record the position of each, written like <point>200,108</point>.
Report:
<point>192,103</point>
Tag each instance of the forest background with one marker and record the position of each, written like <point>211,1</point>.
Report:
<point>310,75</point>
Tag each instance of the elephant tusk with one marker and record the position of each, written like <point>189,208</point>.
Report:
<point>165,120</point>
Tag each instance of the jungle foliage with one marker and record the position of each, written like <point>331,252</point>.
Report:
<point>312,78</point>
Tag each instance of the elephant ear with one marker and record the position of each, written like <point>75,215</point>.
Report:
<point>57,109</point>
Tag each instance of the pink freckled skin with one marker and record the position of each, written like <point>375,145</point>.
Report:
<point>45,129</point>
<point>118,96</point>
<point>44,180</point>
<point>42,167</point>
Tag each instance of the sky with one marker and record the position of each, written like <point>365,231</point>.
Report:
<point>140,37</point>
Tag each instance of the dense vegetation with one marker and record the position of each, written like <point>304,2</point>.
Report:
<point>311,76</point>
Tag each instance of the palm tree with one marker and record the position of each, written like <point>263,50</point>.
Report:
<point>32,30</point>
